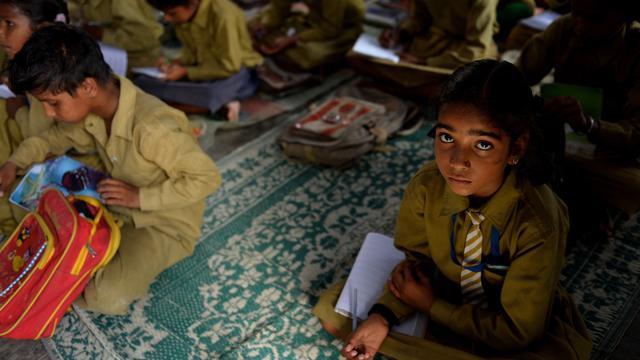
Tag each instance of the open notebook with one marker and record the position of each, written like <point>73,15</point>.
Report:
<point>374,263</point>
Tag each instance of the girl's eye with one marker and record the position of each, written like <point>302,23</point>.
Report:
<point>446,138</point>
<point>484,145</point>
<point>9,23</point>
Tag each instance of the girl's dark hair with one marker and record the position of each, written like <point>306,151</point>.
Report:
<point>499,90</point>
<point>57,58</point>
<point>40,11</point>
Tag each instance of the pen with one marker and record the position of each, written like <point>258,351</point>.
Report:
<point>354,309</point>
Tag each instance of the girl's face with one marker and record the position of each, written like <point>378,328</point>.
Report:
<point>15,29</point>
<point>471,153</point>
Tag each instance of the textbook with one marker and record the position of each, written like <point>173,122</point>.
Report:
<point>373,265</point>
<point>150,71</point>
<point>64,173</point>
<point>540,21</point>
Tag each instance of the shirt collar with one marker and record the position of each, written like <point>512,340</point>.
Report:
<point>122,124</point>
<point>201,18</point>
<point>496,210</point>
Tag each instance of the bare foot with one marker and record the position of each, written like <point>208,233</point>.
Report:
<point>233,111</point>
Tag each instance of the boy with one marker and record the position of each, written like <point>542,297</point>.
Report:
<point>596,46</point>
<point>159,176</point>
<point>309,34</point>
<point>128,24</point>
<point>215,68</point>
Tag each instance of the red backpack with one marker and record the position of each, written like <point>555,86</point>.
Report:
<point>48,260</point>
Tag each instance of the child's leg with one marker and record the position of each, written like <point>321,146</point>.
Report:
<point>143,254</point>
<point>211,94</point>
<point>398,346</point>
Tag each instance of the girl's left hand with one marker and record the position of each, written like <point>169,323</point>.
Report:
<point>175,72</point>
<point>409,284</point>
<point>119,193</point>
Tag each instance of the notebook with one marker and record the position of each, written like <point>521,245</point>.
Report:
<point>115,57</point>
<point>590,99</point>
<point>373,265</point>
<point>153,72</point>
<point>540,21</point>
<point>64,173</point>
<point>368,44</point>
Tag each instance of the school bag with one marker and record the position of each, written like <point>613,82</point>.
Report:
<point>49,259</point>
<point>344,127</point>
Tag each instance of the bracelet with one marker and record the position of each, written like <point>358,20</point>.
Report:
<point>591,124</point>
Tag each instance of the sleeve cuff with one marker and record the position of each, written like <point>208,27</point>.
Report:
<point>441,311</point>
<point>386,313</point>
<point>149,199</point>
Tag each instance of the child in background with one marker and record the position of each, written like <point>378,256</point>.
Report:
<point>128,24</point>
<point>159,176</point>
<point>24,118</point>
<point>484,239</point>
<point>217,61</point>
<point>596,46</point>
<point>309,34</point>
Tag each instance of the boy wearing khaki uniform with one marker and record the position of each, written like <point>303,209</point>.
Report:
<point>128,24</point>
<point>319,32</point>
<point>159,176</point>
<point>216,64</point>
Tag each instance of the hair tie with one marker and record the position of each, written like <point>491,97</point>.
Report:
<point>60,18</point>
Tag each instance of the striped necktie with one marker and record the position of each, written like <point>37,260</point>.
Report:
<point>470,281</point>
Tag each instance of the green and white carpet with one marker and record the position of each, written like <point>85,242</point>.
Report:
<point>278,233</point>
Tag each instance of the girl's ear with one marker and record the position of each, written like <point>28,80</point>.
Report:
<point>518,150</point>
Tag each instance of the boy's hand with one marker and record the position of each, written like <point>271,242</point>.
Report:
<point>175,72</point>
<point>278,45</point>
<point>389,38</point>
<point>569,110</point>
<point>119,193</point>
<point>412,287</point>
<point>13,104</point>
<point>7,176</point>
<point>365,342</point>
<point>409,58</point>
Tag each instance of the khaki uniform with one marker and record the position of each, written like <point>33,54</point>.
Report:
<point>216,43</point>
<point>528,315</point>
<point>151,147</point>
<point>614,67</point>
<point>325,34</point>
<point>128,24</point>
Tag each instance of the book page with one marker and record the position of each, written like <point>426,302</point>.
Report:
<point>373,265</point>
<point>5,92</point>
<point>153,72</point>
<point>368,44</point>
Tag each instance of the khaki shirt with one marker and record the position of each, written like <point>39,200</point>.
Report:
<point>452,33</point>
<point>32,119</point>
<point>128,24</point>
<point>532,223</point>
<point>328,19</point>
<point>151,147</point>
<point>216,43</point>
<point>613,66</point>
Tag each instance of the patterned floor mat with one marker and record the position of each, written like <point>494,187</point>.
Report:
<point>275,235</point>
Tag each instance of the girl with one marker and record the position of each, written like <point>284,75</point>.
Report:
<point>484,239</point>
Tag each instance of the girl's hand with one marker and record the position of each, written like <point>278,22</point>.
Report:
<point>120,193</point>
<point>569,110</point>
<point>175,72</point>
<point>408,58</point>
<point>409,284</point>
<point>365,342</point>
<point>389,38</point>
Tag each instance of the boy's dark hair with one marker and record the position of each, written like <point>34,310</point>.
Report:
<point>40,11</point>
<point>57,58</point>
<point>499,90</point>
<point>163,5</point>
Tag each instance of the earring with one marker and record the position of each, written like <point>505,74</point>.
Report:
<point>515,161</point>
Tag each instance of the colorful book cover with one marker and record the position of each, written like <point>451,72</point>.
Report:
<point>64,173</point>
